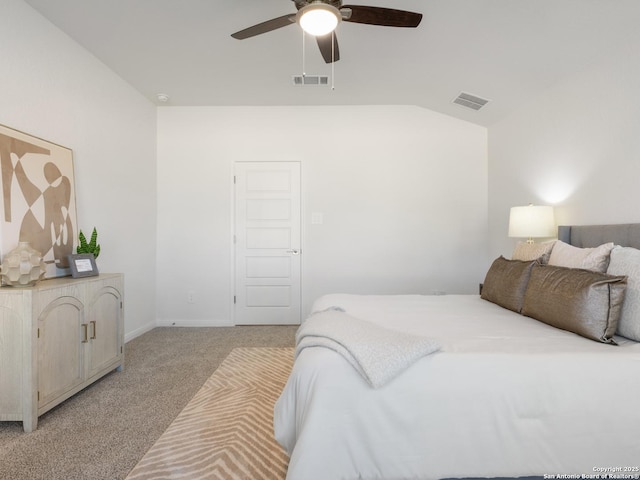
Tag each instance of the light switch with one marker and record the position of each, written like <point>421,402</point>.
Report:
<point>317,218</point>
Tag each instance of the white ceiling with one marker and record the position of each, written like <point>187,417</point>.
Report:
<point>505,50</point>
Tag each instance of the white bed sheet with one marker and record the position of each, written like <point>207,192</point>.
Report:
<point>507,396</point>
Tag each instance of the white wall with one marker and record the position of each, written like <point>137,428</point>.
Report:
<point>55,90</point>
<point>575,147</point>
<point>403,191</point>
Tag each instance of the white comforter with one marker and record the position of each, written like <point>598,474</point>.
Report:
<point>378,354</point>
<point>505,396</point>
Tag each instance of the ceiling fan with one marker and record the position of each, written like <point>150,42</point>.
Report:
<point>320,18</point>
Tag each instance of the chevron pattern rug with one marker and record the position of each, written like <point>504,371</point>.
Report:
<point>226,430</point>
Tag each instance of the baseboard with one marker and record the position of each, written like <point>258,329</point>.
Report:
<point>205,322</point>
<point>138,331</point>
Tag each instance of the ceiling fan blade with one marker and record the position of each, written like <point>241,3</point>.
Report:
<point>388,17</point>
<point>324,43</point>
<point>265,27</point>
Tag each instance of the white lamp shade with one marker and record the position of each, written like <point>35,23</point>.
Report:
<point>319,19</point>
<point>532,221</point>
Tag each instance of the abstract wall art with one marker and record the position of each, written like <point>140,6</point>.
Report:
<point>37,200</point>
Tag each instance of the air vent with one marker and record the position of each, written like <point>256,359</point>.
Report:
<point>318,80</point>
<point>470,101</point>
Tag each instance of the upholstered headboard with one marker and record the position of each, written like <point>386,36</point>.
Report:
<point>627,235</point>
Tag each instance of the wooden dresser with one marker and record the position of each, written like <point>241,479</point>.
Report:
<point>56,338</point>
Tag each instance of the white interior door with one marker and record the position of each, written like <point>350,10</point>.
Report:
<point>267,243</point>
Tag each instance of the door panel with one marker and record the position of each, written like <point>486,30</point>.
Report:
<point>273,209</point>
<point>268,296</point>
<point>104,327</point>
<point>60,348</point>
<point>271,238</point>
<point>267,243</point>
<point>268,267</point>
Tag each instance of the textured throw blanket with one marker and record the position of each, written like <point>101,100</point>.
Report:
<point>377,353</point>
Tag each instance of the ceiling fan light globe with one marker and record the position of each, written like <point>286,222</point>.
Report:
<point>318,19</point>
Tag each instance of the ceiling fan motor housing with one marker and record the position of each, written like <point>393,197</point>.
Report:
<point>303,3</point>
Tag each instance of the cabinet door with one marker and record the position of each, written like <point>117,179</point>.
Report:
<point>105,327</point>
<point>60,348</point>
<point>12,358</point>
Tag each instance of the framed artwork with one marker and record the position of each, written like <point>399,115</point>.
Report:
<point>83,265</point>
<point>38,198</point>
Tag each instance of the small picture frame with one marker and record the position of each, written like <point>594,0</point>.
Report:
<point>83,265</point>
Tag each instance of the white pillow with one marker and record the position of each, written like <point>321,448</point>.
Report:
<point>596,259</point>
<point>533,251</point>
<point>626,261</point>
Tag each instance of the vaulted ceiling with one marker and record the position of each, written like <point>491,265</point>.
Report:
<point>507,51</point>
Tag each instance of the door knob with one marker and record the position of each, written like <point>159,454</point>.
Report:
<point>293,251</point>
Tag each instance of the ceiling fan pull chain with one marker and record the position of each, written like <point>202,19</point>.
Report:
<point>304,73</point>
<point>333,63</point>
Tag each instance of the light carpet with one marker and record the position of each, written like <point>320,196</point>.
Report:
<point>226,430</point>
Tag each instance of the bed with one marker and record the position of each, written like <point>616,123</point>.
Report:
<point>504,394</point>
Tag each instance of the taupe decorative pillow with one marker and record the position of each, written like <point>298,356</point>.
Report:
<point>533,251</point>
<point>565,255</point>
<point>506,283</point>
<point>581,301</point>
<point>626,261</point>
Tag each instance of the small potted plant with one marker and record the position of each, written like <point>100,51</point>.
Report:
<point>91,246</point>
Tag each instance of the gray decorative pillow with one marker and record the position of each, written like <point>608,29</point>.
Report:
<point>626,261</point>
<point>581,301</point>
<point>506,283</point>
<point>533,251</point>
<point>565,255</point>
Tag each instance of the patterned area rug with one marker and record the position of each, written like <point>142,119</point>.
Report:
<point>226,430</point>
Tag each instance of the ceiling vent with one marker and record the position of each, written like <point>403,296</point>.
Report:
<point>470,101</point>
<point>318,80</point>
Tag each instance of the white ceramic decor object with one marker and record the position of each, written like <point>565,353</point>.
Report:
<point>22,266</point>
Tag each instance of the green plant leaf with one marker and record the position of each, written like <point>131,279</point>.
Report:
<point>94,239</point>
<point>92,246</point>
<point>82,247</point>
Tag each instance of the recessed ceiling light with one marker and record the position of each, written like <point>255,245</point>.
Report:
<point>163,97</point>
